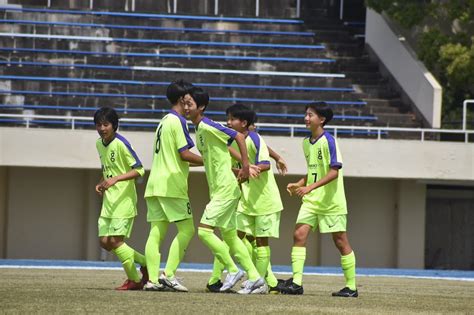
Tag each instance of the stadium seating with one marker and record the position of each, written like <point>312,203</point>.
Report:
<point>76,60</point>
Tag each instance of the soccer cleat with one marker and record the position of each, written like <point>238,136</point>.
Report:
<point>130,285</point>
<point>150,286</point>
<point>278,288</point>
<point>261,290</point>
<point>172,284</point>
<point>144,272</point>
<point>215,287</point>
<point>346,292</point>
<point>292,289</point>
<point>231,279</point>
<point>253,286</point>
<point>243,284</point>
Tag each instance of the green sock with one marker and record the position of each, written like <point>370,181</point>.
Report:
<point>218,248</point>
<point>254,250</point>
<point>263,259</point>
<point>179,245</point>
<point>239,251</point>
<point>139,258</point>
<point>348,264</point>
<point>298,256</point>
<point>152,248</point>
<point>270,277</point>
<point>125,254</point>
<point>248,245</point>
<point>217,269</point>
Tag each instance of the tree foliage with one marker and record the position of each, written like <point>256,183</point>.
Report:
<point>445,45</point>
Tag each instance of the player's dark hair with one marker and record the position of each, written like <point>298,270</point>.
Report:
<point>241,112</point>
<point>107,114</point>
<point>177,89</point>
<point>322,109</point>
<point>200,96</point>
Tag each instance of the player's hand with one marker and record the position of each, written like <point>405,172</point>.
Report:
<point>291,188</point>
<point>99,189</point>
<point>244,174</point>
<point>301,191</point>
<point>106,184</point>
<point>282,167</point>
<point>254,171</point>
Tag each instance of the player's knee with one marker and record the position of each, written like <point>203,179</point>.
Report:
<point>203,233</point>
<point>104,243</point>
<point>299,237</point>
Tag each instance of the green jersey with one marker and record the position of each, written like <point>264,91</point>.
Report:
<point>212,141</point>
<point>169,174</point>
<point>322,155</point>
<point>260,196</point>
<point>117,158</point>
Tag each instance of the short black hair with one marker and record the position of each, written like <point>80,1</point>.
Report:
<point>177,89</point>
<point>107,114</point>
<point>241,112</point>
<point>200,96</point>
<point>322,109</point>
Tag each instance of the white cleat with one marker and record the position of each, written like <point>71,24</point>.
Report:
<point>243,284</point>
<point>172,284</point>
<point>251,286</point>
<point>261,290</point>
<point>150,286</point>
<point>231,279</point>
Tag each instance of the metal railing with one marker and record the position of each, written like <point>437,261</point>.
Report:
<point>379,132</point>
<point>216,7</point>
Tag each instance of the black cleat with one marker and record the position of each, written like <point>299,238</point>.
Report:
<point>292,289</point>
<point>278,288</point>
<point>215,287</point>
<point>346,292</point>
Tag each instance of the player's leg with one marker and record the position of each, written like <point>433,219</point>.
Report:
<point>156,236</point>
<point>217,247</point>
<point>266,226</point>
<point>112,233</point>
<point>158,228</point>
<point>176,254</point>
<point>348,264</point>
<point>178,211</point>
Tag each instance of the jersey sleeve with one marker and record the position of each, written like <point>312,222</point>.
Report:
<point>225,134</point>
<point>181,135</point>
<point>334,154</point>
<point>131,157</point>
<point>262,156</point>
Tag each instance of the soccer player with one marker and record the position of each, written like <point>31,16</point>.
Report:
<point>212,141</point>
<point>166,192</point>
<point>324,201</point>
<point>120,166</point>
<point>260,204</point>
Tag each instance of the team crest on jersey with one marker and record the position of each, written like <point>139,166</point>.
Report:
<point>320,154</point>
<point>201,140</point>
<point>112,156</point>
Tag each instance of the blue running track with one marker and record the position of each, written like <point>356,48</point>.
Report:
<point>459,275</point>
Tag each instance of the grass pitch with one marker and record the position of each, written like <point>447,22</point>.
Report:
<point>91,291</point>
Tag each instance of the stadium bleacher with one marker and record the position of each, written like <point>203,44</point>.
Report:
<point>81,59</point>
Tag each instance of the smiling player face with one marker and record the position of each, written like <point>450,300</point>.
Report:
<point>312,120</point>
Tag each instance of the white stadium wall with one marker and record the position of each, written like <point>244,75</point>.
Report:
<point>48,208</point>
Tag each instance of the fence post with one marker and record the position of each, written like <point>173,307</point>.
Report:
<point>216,7</point>
<point>341,10</point>
<point>464,112</point>
<point>298,8</point>
<point>257,7</point>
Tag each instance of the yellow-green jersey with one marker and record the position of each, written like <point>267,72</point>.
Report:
<point>117,158</point>
<point>169,174</point>
<point>322,155</point>
<point>212,140</point>
<point>260,196</point>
